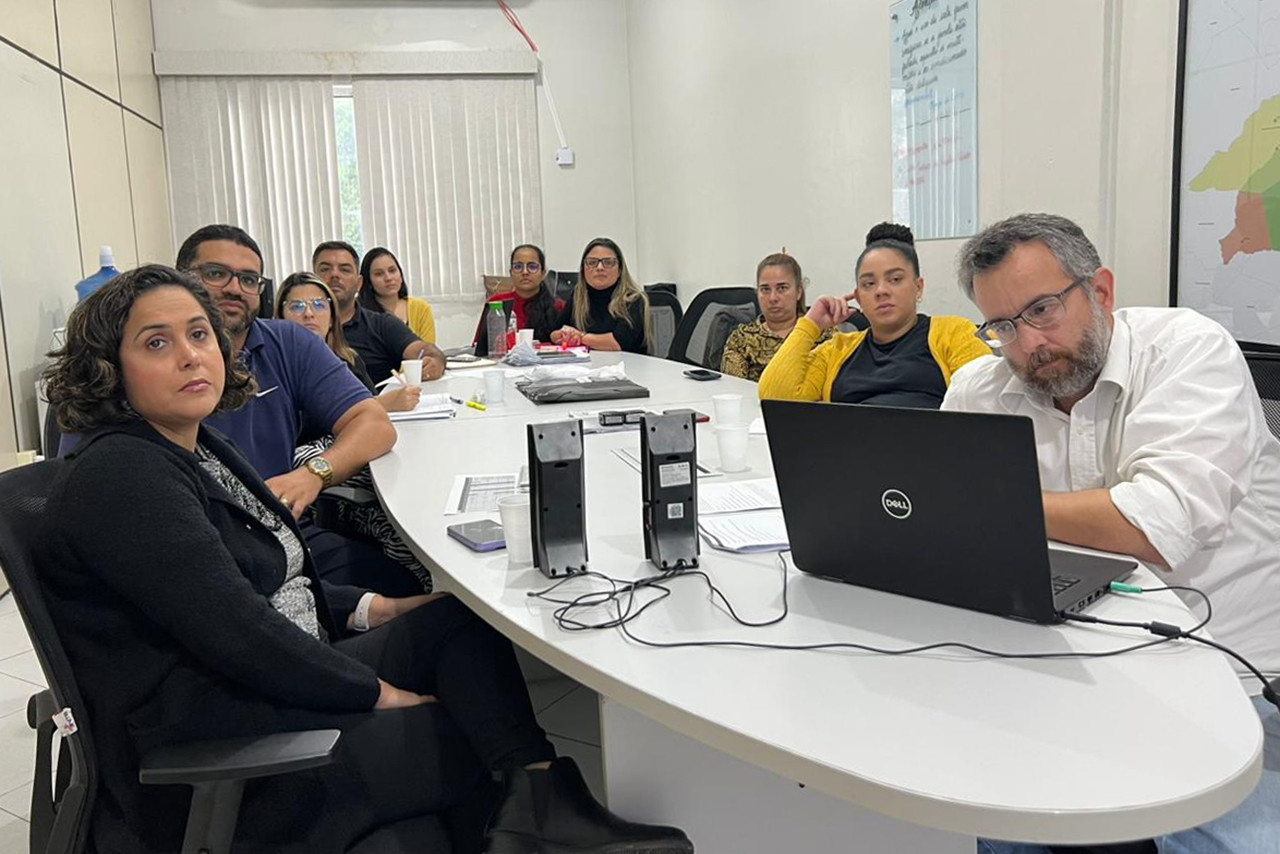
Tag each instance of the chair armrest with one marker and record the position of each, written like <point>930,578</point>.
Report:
<point>353,494</point>
<point>239,758</point>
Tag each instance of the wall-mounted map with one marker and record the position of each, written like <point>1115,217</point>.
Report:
<point>1228,237</point>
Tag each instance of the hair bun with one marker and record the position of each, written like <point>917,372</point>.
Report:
<point>891,231</point>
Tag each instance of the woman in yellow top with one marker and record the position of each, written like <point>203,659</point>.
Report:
<point>384,289</point>
<point>904,359</point>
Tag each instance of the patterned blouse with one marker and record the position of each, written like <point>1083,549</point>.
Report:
<point>294,599</point>
<point>750,348</point>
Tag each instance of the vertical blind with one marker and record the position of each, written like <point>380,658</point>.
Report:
<point>259,153</point>
<point>448,176</point>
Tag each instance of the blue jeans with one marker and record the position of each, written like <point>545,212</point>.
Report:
<point>1251,828</point>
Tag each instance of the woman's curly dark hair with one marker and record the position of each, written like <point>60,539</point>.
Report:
<point>84,382</point>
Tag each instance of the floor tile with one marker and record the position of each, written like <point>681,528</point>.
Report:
<point>18,802</point>
<point>13,635</point>
<point>535,669</point>
<point>8,605</point>
<point>24,666</point>
<point>588,759</point>
<point>14,694</point>
<point>15,834</point>
<point>576,716</point>
<point>17,751</point>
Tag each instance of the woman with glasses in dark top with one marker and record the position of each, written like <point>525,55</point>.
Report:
<point>609,310</point>
<point>384,289</point>
<point>535,306</point>
<point>905,358</point>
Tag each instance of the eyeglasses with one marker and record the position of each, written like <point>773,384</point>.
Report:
<point>604,263</point>
<point>319,305</point>
<point>521,267</point>
<point>218,276</point>
<point>1044,313</point>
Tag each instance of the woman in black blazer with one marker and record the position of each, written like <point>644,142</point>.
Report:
<point>189,608</point>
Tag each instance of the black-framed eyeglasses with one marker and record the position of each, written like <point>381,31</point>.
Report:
<point>605,263</point>
<point>1044,313</point>
<point>319,305</point>
<point>219,276</point>
<point>521,267</point>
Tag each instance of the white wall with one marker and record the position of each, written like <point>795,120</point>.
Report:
<point>583,45</point>
<point>81,164</point>
<point>759,124</point>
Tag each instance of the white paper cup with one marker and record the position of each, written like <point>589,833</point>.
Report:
<point>524,336</point>
<point>728,408</point>
<point>494,383</point>
<point>412,370</point>
<point>731,440</point>
<point>516,529</point>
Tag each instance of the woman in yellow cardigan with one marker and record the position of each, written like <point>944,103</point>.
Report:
<point>904,359</point>
<point>384,289</point>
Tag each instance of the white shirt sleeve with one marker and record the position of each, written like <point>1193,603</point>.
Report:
<point>1190,441</point>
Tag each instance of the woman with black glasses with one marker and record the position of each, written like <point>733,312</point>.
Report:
<point>609,310</point>
<point>535,306</point>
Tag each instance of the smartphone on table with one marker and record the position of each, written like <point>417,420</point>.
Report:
<point>483,535</point>
<point>701,374</point>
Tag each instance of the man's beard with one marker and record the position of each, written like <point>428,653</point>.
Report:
<point>235,326</point>
<point>1083,366</point>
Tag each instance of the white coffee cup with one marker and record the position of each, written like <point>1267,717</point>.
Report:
<point>494,384</point>
<point>728,408</point>
<point>731,440</point>
<point>516,529</point>
<point>412,370</point>
<point>524,336</point>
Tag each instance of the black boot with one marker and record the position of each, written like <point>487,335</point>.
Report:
<point>553,812</point>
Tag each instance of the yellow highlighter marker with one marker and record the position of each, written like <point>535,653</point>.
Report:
<point>473,404</point>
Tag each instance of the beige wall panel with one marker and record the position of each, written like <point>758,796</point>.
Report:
<point>29,23</point>
<point>134,45</point>
<point>39,253</point>
<point>85,33</point>
<point>100,173</point>
<point>150,190</point>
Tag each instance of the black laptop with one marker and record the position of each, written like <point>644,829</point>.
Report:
<point>943,506</point>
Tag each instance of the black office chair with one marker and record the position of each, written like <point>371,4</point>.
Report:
<point>216,770</point>
<point>1265,368</point>
<point>562,285</point>
<point>665,313</point>
<point>700,338</point>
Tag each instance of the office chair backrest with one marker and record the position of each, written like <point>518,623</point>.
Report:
<point>562,285</point>
<point>1265,368</point>
<point>59,822</point>
<point>700,338</point>
<point>665,312</point>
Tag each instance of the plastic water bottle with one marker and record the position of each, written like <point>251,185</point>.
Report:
<point>495,326</point>
<point>511,331</point>
<point>106,272</point>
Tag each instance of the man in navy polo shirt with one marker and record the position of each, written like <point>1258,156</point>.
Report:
<point>382,340</point>
<point>303,389</point>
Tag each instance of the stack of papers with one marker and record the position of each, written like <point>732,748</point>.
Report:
<point>761,531</point>
<point>739,496</point>
<point>742,516</point>
<point>431,407</point>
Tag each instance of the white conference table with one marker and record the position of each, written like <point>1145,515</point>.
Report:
<point>918,753</point>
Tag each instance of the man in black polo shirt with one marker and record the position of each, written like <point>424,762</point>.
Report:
<point>381,339</point>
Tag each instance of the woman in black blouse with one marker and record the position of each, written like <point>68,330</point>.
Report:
<point>183,594</point>
<point>609,311</point>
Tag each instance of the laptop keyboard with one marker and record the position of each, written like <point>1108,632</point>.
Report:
<point>1062,582</point>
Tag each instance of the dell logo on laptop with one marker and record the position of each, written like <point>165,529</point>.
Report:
<point>896,503</point>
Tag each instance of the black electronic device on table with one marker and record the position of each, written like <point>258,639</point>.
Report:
<point>669,489</point>
<point>701,374</point>
<point>557,498</point>
<point>948,509</point>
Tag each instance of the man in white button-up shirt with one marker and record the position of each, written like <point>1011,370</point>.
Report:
<point>1151,442</point>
